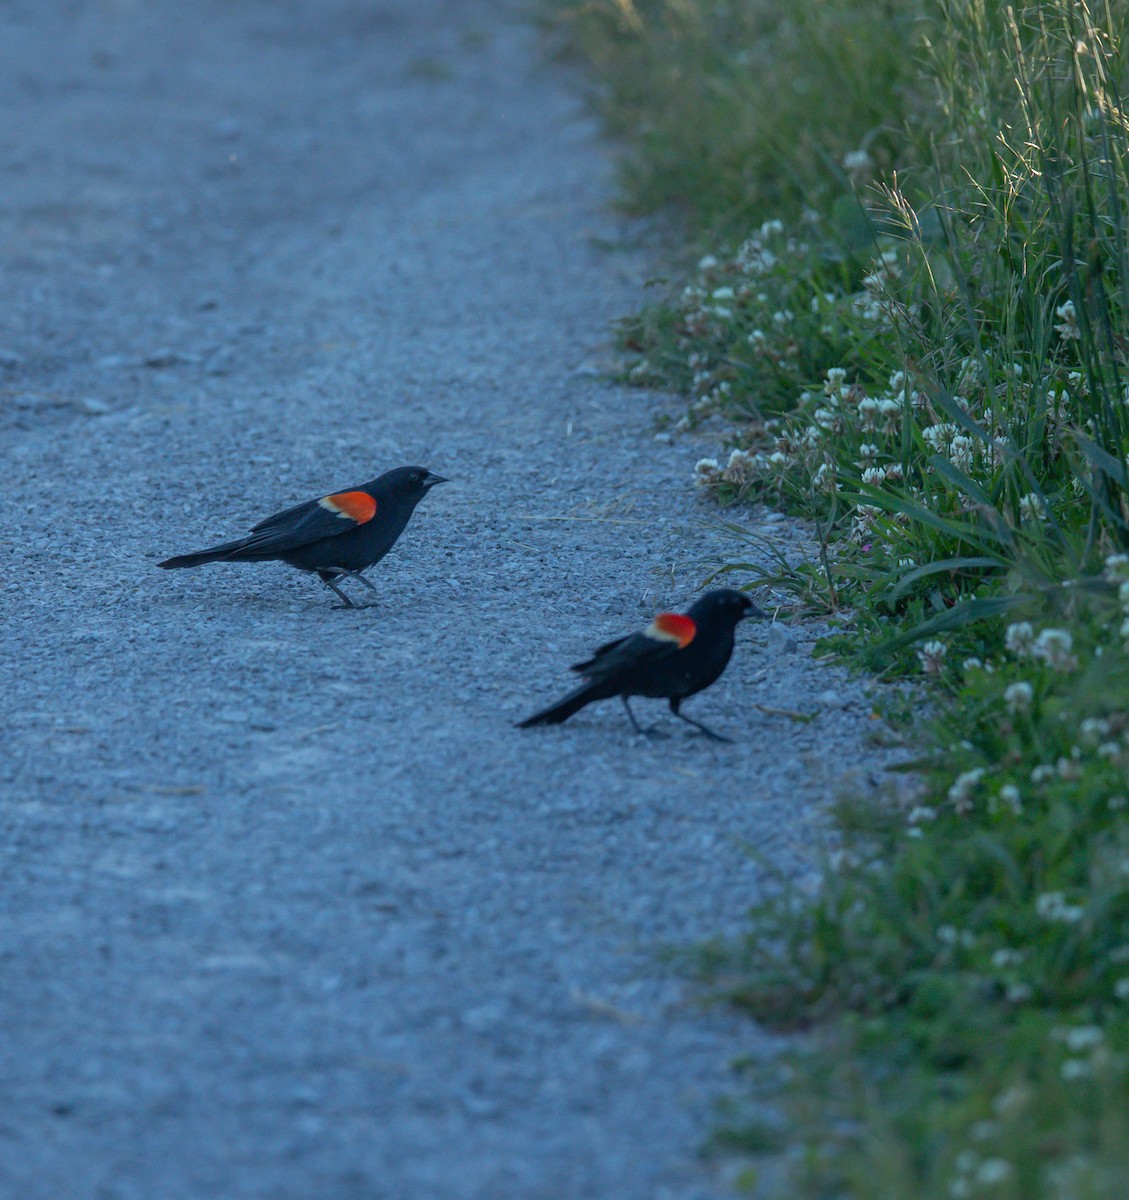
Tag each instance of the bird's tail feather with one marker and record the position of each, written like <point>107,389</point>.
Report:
<point>227,551</point>
<point>563,709</point>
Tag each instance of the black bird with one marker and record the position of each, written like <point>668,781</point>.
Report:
<point>338,536</point>
<point>675,657</point>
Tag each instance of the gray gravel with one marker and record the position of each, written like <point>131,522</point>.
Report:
<point>290,910</point>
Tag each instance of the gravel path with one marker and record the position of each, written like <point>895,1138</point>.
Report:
<point>289,908</point>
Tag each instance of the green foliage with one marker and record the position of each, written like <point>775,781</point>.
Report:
<point>735,108</point>
<point>933,369</point>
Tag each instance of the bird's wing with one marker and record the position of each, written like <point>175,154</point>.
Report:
<point>310,522</point>
<point>666,635</point>
<point>581,667</point>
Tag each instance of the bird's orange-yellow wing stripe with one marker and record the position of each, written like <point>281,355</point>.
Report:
<point>672,627</point>
<point>353,506</point>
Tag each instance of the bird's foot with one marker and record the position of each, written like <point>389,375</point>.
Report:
<point>715,737</point>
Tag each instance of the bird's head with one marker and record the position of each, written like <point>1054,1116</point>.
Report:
<point>724,606</point>
<point>415,482</point>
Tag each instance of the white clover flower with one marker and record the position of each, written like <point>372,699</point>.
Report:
<point>966,783</point>
<point>1006,957</point>
<point>1083,1037</point>
<point>1053,647</point>
<point>783,317</point>
<point>1075,1068</point>
<point>921,813</point>
<point>772,228</point>
<point>707,472</point>
<point>866,517</point>
<point>868,452</point>
<point>779,459</point>
<point>969,374</point>
<point>757,338</point>
<point>867,308</point>
<point>868,412</point>
<point>1020,637</point>
<point>1067,768</point>
<point>708,263</point>
<point>740,467</point>
<point>857,162</point>
<point>824,478</point>
<point>938,437</point>
<point>1032,508</point>
<point>813,435</point>
<point>960,451</point>
<point>1053,906</point>
<point>1121,989</point>
<point>891,413</point>
<point>1009,794</point>
<point>874,476</point>
<point>1019,993</point>
<point>1093,729</point>
<point>1018,696</point>
<point>1117,567</point>
<point>972,664</point>
<point>1067,328</point>
<point>993,1171</point>
<point>835,378</point>
<point>722,293</point>
<point>931,654</point>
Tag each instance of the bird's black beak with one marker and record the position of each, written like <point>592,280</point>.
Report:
<point>753,611</point>
<point>431,479</point>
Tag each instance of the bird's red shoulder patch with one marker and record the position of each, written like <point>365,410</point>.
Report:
<point>672,627</point>
<point>353,506</point>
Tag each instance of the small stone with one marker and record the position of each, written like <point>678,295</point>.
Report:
<point>93,406</point>
<point>781,639</point>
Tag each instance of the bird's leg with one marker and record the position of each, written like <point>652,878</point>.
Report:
<point>652,732</point>
<point>367,582</point>
<point>674,708</point>
<point>327,579</point>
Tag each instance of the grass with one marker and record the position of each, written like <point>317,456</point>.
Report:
<point>909,322</point>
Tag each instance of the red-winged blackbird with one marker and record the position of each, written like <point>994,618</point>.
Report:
<point>673,658</point>
<point>338,536</point>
